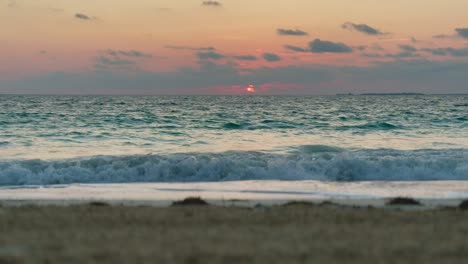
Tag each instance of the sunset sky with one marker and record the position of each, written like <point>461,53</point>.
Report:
<point>220,47</point>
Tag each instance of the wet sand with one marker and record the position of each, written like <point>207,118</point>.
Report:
<point>298,233</point>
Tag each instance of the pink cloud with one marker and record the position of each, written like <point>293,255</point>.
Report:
<point>280,86</point>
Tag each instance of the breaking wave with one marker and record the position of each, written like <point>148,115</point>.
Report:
<point>305,163</point>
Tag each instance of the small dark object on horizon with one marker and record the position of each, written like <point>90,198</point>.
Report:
<point>98,203</point>
<point>190,201</point>
<point>403,201</point>
<point>463,205</point>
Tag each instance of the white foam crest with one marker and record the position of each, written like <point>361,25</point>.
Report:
<point>361,165</point>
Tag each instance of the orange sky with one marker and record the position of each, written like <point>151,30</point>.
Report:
<point>42,37</point>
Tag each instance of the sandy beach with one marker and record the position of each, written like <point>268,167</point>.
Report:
<point>292,233</point>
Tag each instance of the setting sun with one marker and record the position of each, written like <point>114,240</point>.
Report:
<point>250,89</point>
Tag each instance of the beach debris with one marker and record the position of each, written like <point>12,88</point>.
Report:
<point>98,204</point>
<point>463,205</point>
<point>299,203</point>
<point>190,201</point>
<point>403,201</point>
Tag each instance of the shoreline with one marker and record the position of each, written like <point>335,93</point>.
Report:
<point>240,193</point>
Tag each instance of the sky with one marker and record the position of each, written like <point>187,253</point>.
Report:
<point>296,47</point>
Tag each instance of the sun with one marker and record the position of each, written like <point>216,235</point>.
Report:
<point>250,89</point>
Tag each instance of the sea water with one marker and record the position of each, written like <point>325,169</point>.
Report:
<point>50,140</point>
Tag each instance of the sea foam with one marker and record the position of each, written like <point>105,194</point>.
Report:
<point>306,163</point>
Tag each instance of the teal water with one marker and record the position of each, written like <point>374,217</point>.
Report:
<point>67,139</point>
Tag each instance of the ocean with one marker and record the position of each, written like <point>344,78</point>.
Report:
<point>63,140</point>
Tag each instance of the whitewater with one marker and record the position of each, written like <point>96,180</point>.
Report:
<point>50,141</point>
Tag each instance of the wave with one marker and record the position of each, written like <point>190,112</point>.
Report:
<point>306,163</point>
<point>231,125</point>
<point>371,126</point>
<point>318,149</point>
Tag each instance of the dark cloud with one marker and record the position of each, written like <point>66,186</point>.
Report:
<point>323,46</point>
<point>129,53</point>
<point>454,52</point>
<point>411,76</point>
<point>174,47</point>
<point>395,76</point>
<point>437,51</point>
<point>209,55</point>
<point>296,48</point>
<point>271,57</point>
<point>212,3</point>
<point>114,61</point>
<point>361,47</point>
<point>459,32</point>
<point>363,28</point>
<point>407,51</point>
<point>402,55</point>
<point>118,59</point>
<point>291,32</point>
<point>182,81</point>
<point>245,58</point>
<point>441,36</point>
<point>371,55</point>
<point>462,32</point>
<point>83,16</point>
<point>408,48</point>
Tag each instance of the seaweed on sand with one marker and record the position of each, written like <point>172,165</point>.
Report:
<point>403,201</point>
<point>190,201</point>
